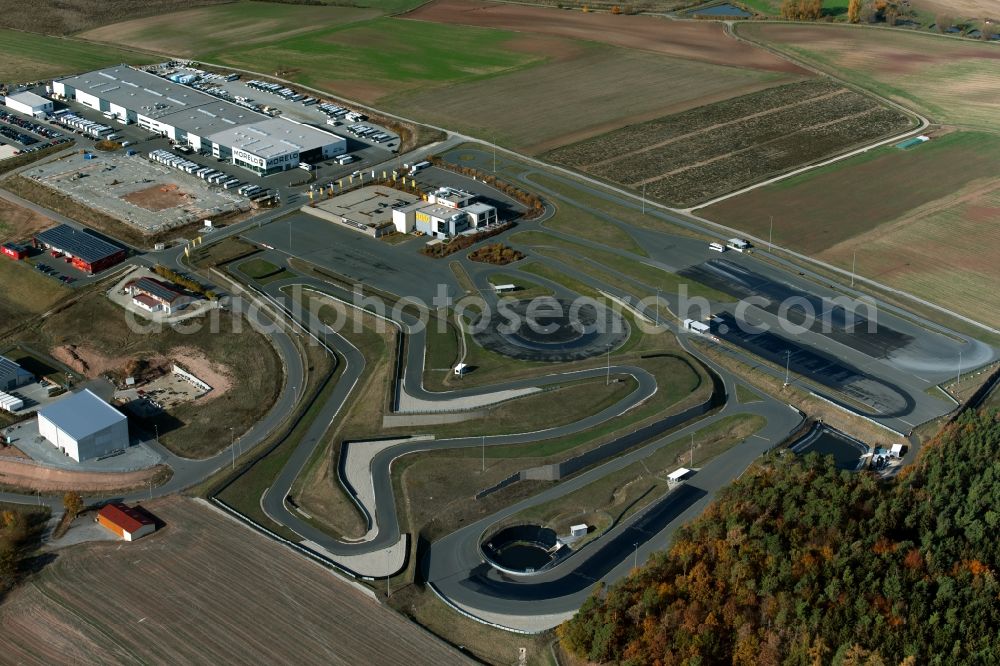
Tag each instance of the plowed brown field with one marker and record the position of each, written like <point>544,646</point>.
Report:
<point>204,590</point>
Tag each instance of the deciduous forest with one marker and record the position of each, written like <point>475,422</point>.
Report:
<point>799,563</point>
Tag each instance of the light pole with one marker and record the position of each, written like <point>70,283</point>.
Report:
<point>156,431</point>
<point>607,382</point>
<point>484,452</point>
<point>388,578</point>
<point>657,307</point>
<point>770,236</point>
<point>854,265</point>
<point>232,445</point>
<point>635,556</point>
<point>692,450</point>
<point>958,379</point>
<point>788,358</point>
<point>494,153</point>
<point>644,198</point>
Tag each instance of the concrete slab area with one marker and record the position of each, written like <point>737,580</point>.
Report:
<point>357,465</point>
<point>378,564</point>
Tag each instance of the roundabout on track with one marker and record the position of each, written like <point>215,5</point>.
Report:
<point>550,329</point>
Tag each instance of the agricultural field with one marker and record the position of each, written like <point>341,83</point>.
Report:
<point>537,109</point>
<point>949,80</point>
<point>705,41</point>
<point>201,31</point>
<point>31,57</point>
<point>68,16</point>
<point>440,68</point>
<point>689,157</point>
<point>926,230</point>
<point>109,602</point>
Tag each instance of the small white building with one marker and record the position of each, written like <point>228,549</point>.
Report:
<point>578,530</point>
<point>83,426</point>
<point>678,475</point>
<point>450,197</point>
<point>29,104</point>
<point>481,214</point>
<point>696,326</point>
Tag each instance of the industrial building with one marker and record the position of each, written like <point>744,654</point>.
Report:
<point>275,144</point>
<point>449,197</point>
<point>14,251</point>
<point>85,251</point>
<point>13,376</point>
<point>130,523</point>
<point>29,104</point>
<point>369,210</point>
<point>155,296</point>
<point>84,427</point>
<point>446,213</point>
<point>246,138</point>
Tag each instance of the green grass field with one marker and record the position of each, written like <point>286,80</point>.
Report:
<point>383,55</point>
<point>26,292</point>
<point>354,51</point>
<point>31,57</point>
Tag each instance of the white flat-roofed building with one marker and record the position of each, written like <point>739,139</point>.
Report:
<point>83,426</point>
<point>276,144</point>
<point>245,137</point>
<point>29,104</point>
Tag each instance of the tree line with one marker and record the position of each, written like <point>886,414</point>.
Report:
<point>800,563</point>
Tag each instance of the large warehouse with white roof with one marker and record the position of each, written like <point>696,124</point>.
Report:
<point>83,426</point>
<point>248,139</point>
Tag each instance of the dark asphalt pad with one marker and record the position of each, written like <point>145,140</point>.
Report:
<point>550,329</point>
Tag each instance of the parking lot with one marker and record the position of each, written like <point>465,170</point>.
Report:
<point>27,134</point>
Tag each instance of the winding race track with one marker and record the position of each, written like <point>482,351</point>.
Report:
<point>886,372</point>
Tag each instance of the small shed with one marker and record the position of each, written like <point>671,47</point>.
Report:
<point>678,474</point>
<point>460,369</point>
<point>130,523</point>
<point>897,451</point>
<point>578,530</point>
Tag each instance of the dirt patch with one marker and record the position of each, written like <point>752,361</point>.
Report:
<point>159,197</point>
<point>695,40</point>
<point>214,374</point>
<point>45,479</point>
<point>86,361</point>
<point>18,223</point>
<point>91,363</point>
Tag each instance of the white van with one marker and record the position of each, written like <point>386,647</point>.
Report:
<point>717,247</point>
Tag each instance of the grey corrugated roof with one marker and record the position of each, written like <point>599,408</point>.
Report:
<point>10,370</point>
<point>158,289</point>
<point>88,247</point>
<point>81,414</point>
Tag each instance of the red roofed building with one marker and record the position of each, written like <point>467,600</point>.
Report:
<point>130,523</point>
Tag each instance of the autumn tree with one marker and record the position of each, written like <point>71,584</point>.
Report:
<point>854,11</point>
<point>73,503</point>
